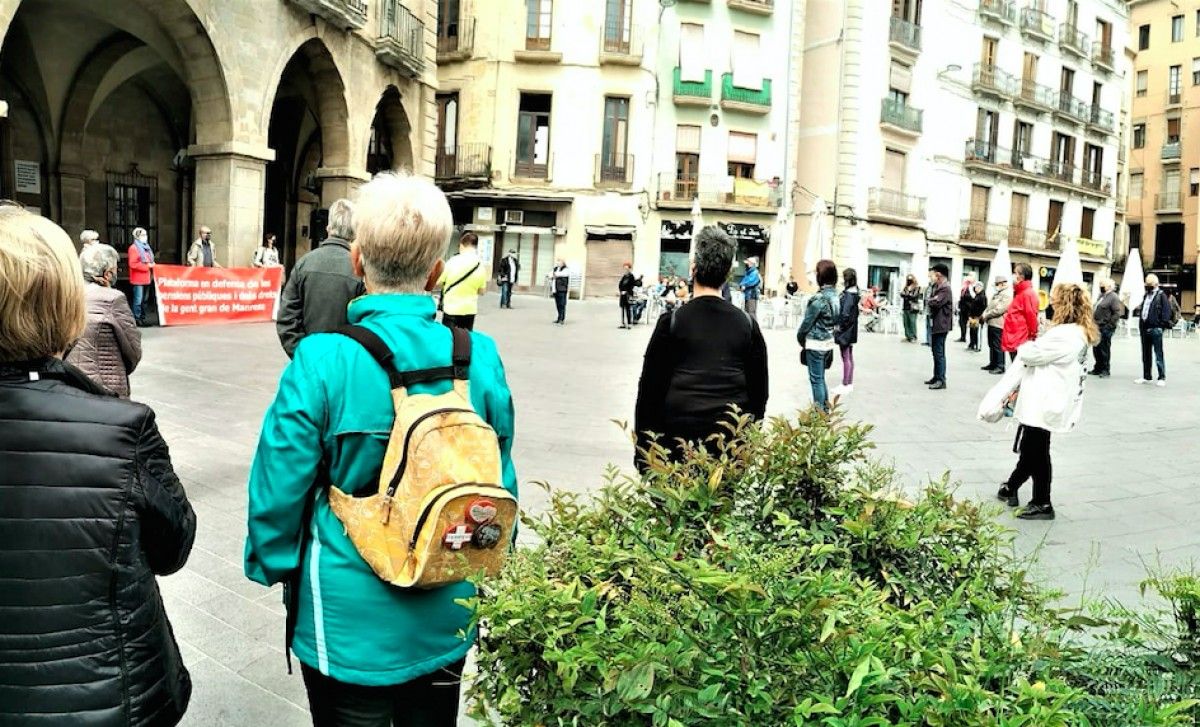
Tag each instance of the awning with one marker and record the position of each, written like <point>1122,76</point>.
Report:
<point>610,232</point>
<point>524,196</point>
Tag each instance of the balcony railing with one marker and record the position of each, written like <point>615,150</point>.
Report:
<point>1023,165</point>
<point>401,42</point>
<point>991,80</point>
<point>1171,151</point>
<point>901,115</point>
<point>614,171</point>
<point>1002,11</point>
<point>890,203</point>
<point>1036,96</point>
<point>693,92</point>
<point>621,46</point>
<point>679,190</point>
<point>753,100</point>
<point>758,7</point>
<point>1102,56</point>
<point>1072,109</point>
<point>994,234</point>
<point>345,14</point>
<point>1174,98</point>
<point>905,34</point>
<point>465,161</point>
<point>458,44</point>
<point>1101,119</point>
<point>1071,39</point>
<point>1038,24</point>
<point>1168,201</point>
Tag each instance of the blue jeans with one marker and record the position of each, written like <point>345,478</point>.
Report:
<point>1152,340</point>
<point>929,328</point>
<point>938,344</point>
<point>816,378</point>
<point>505,294</point>
<point>139,295</point>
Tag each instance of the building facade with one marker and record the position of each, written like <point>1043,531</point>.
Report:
<point>953,127</point>
<point>246,117</point>
<point>586,131</point>
<point>1164,155</point>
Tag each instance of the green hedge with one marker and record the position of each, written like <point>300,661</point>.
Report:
<point>784,580</point>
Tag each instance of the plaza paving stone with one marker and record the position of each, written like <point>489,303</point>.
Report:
<point>1125,482</point>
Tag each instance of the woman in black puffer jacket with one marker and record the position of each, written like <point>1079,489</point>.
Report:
<point>90,512</point>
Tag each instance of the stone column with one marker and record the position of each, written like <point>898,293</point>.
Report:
<point>340,182</point>
<point>230,183</point>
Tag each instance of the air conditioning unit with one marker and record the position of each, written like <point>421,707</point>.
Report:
<point>1029,164</point>
<point>514,217</point>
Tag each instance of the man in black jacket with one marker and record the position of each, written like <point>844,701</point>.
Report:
<point>91,512</point>
<point>625,288</point>
<point>321,285</point>
<point>1107,314</point>
<point>941,315</point>
<point>506,277</point>
<point>1154,317</point>
<point>702,359</point>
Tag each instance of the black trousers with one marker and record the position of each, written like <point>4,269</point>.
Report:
<point>1103,351</point>
<point>995,355</point>
<point>465,322</point>
<point>428,701</point>
<point>560,302</point>
<point>973,336</point>
<point>1033,447</point>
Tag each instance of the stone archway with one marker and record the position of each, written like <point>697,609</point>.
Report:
<point>390,141</point>
<point>309,132</point>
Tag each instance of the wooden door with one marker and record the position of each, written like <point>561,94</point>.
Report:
<point>605,265</point>
<point>1018,216</point>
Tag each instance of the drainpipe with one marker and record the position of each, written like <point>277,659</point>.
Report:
<point>844,228</point>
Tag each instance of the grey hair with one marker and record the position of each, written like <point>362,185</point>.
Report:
<point>404,225</point>
<point>96,260</point>
<point>1108,284</point>
<point>714,256</point>
<point>88,236</point>
<point>341,220</point>
<point>138,232</point>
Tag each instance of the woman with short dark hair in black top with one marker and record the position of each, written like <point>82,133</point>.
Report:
<point>702,359</point>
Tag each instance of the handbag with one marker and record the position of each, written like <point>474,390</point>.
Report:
<point>828,357</point>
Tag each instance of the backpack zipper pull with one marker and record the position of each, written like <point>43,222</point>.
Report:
<point>387,509</point>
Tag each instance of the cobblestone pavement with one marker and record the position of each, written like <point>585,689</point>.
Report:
<point>1125,481</point>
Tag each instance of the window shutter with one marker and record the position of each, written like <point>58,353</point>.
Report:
<point>691,52</point>
<point>687,139</point>
<point>893,170</point>
<point>743,148</point>
<point>747,73</point>
<point>901,77</point>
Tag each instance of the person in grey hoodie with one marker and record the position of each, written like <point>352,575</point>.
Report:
<point>321,285</point>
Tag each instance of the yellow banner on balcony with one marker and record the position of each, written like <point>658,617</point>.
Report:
<point>1093,248</point>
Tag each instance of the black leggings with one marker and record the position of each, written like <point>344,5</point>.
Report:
<point>1033,446</point>
<point>428,701</point>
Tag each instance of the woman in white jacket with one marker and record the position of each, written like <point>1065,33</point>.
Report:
<point>1048,375</point>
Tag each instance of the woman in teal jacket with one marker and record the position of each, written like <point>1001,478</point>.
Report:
<point>329,427</point>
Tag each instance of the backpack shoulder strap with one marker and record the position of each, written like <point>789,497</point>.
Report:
<point>460,359</point>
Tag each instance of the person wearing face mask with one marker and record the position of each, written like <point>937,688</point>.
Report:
<point>141,269</point>
<point>1154,317</point>
<point>111,345</point>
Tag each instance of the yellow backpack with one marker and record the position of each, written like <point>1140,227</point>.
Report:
<point>440,514</point>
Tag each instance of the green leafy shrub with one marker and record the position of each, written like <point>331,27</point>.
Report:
<point>781,579</point>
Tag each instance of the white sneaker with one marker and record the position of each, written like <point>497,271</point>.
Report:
<point>848,389</point>
<point>1160,382</point>
<point>1141,381</point>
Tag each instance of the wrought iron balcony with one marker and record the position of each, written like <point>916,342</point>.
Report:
<point>621,46</point>
<point>1000,11</point>
<point>990,80</point>
<point>754,101</point>
<point>692,93</point>
<point>1035,96</point>
<point>905,35</point>
<point>1171,151</point>
<point>457,43</point>
<point>989,233</point>
<point>1072,40</point>
<point>1071,109</point>
<point>1168,202</point>
<point>465,161</point>
<point>401,41</point>
<point>614,171</point>
<point>1101,119</point>
<point>901,115</point>
<point>1174,98</point>
<point>1095,180</point>
<point>758,7</point>
<point>716,190</point>
<point>1037,24</point>
<point>1103,57</point>
<point>1019,164</point>
<point>891,204</point>
<point>345,14</point>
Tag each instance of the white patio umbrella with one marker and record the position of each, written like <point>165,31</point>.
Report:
<point>1001,264</point>
<point>697,225</point>
<point>1070,269</point>
<point>1133,281</point>
<point>818,236</point>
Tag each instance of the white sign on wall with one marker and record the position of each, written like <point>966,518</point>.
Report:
<point>28,176</point>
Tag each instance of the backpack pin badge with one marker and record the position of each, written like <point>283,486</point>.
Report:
<point>457,536</point>
<point>481,512</point>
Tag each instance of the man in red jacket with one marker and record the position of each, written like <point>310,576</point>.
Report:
<point>1021,321</point>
